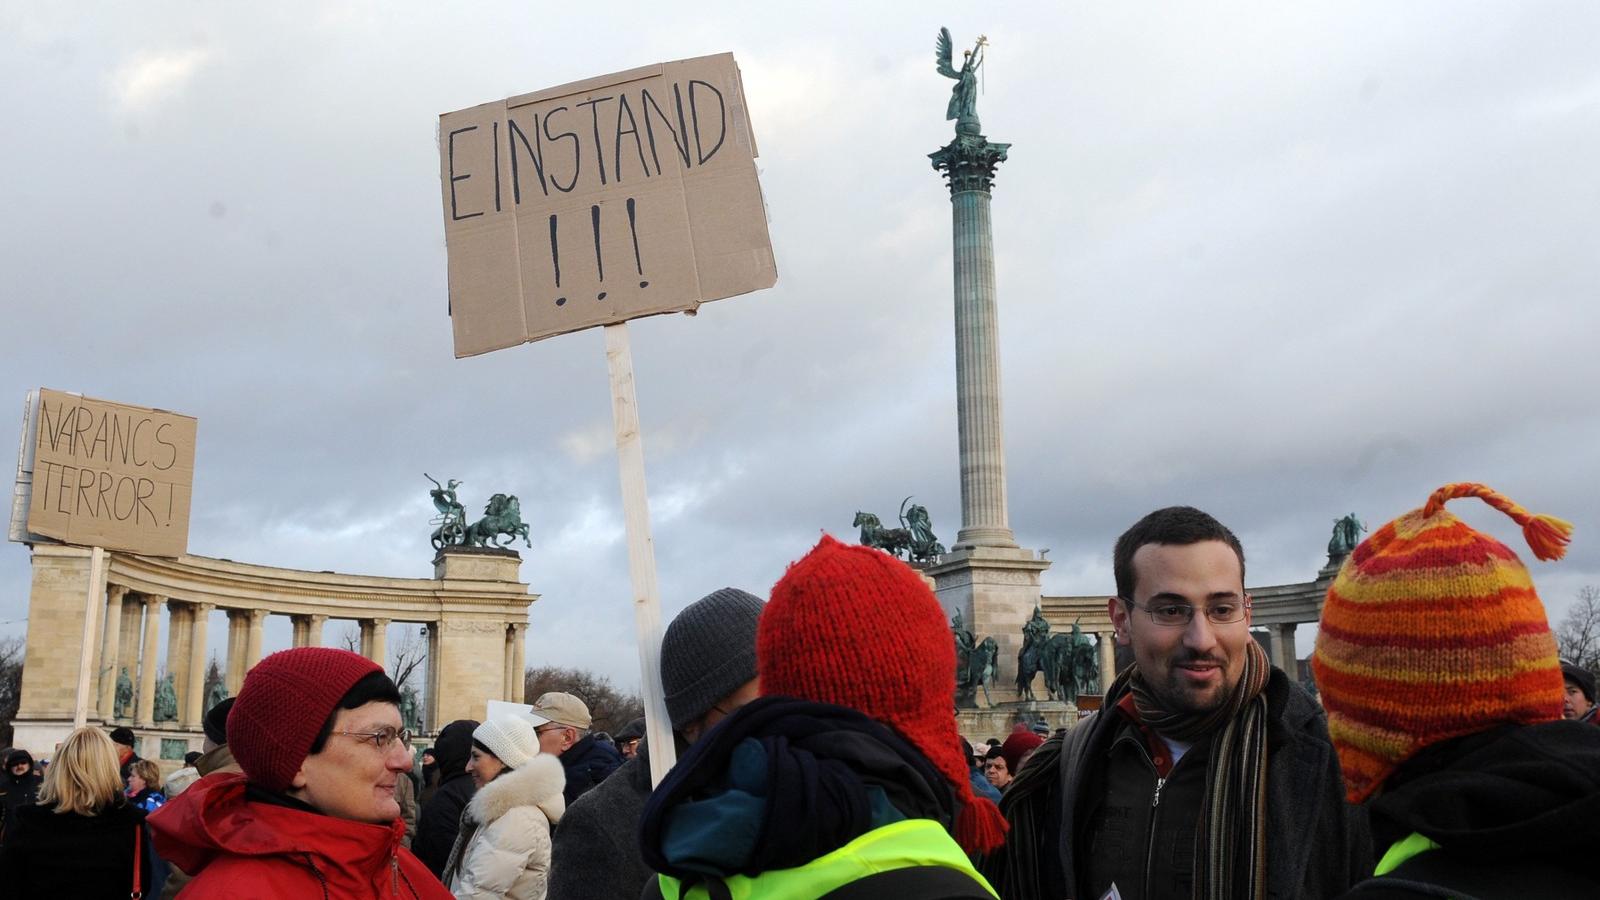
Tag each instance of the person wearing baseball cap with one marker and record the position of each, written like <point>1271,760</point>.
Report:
<point>318,736</point>
<point>1436,664</point>
<point>562,722</point>
<point>1578,694</point>
<point>847,773</point>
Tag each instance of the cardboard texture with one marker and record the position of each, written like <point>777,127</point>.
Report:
<point>622,196</point>
<point>112,475</point>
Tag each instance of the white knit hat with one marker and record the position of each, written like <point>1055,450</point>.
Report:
<point>511,740</point>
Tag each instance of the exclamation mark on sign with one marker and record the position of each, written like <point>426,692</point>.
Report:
<point>599,264</point>
<point>555,259</point>
<point>633,229</point>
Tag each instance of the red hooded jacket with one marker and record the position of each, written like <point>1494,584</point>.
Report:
<point>241,849</point>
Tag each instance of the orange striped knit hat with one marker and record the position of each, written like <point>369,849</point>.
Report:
<point>1431,631</point>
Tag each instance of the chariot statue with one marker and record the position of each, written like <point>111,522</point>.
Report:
<point>1346,535</point>
<point>502,518</point>
<point>914,540</point>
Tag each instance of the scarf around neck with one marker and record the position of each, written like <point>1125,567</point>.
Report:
<point>1230,849</point>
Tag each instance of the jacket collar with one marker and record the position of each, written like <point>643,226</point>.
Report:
<point>538,783</point>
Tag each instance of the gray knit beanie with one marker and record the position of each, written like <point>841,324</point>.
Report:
<point>709,651</point>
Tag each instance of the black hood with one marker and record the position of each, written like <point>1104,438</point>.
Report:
<point>1516,791</point>
<point>453,747</point>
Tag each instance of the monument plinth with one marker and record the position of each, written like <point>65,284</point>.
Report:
<point>477,564</point>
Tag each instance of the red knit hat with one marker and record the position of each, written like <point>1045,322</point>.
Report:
<point>854,627</point>
<point>1016,747</point>
<point>285,700</point>
<point>1431,631</point>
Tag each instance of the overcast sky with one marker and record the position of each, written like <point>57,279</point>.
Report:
<point>1280,261</point>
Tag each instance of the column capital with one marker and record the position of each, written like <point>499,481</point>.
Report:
<point>259,614</point>
<point>968,162</point>
<point>203,608</point>
<point>115,592</point>
<point>381,623</point>
<point>156,599</point>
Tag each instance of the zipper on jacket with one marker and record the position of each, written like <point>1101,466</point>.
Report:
<point>1155,799</point>
<point>394,875</point>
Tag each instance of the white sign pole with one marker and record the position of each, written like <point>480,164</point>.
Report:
<point>641,549</point>
<point>93,599</point>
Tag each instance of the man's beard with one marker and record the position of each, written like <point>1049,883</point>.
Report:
<point>1175,697</point>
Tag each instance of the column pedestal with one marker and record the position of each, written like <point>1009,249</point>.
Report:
<point>996,591</point>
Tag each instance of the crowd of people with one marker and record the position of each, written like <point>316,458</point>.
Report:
<point>1449,753</point>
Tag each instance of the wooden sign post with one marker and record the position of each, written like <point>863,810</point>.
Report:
<point>589,204</point>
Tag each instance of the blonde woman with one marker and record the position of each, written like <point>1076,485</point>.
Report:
<point>503,849</point>
<point>83,837</point>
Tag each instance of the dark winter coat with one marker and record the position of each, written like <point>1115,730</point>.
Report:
<point>1316,844</point>
<point>241,845</point>
<point>1514,812</point>
<point>66,855</point>
<point>439,820</point>
<point>14,793</point>
<point>588,762</point>
<point>597,846</point>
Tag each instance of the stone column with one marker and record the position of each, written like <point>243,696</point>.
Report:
<point>180,631</point>
<point>505,681</point>
<point>968,162</point>
<point>146,706</point>
<point>314,626</point>
<point>298,628</point>
<point>130,633</point>
<point>1280,638</point>
<point>1106,643</point>
<point>252,652</point>
<point>111,651</point>
<point>431,703</point>
<point>378,645</point>
<point>519,661</point>
<point>194,686</point>
<point>237,626</point>
<point>366,637</point>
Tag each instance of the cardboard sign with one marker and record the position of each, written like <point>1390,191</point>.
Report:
<point>596,202</point>
<point>112,475</point>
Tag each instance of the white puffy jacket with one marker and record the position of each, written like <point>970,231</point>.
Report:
<point>503,848</point>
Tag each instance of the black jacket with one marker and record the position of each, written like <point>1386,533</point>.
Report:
<point>596,853</point>
<point>64,855</point>
<point>1513,809</point>
<point>1317,845</point>
<point>14,793</point>
<point>588,762</point>
<point>440,817</point>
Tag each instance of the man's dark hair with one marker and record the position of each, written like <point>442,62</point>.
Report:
<point>215,723</point>
<point>1175,526</point>
<point>122,735</point>
<point>373,688</point>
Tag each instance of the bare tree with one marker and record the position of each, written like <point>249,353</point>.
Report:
<point>407,654</point>
<point>610,708</point>
<point>12,650</point>
<point>351,637</point>
<point>1578,635</point>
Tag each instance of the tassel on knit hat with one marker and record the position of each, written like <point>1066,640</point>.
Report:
<point>854,627</point>
<point>1432,631</point>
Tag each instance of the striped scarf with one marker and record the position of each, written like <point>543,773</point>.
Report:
<point>1230,853</point>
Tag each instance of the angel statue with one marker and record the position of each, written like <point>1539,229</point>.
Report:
<point>964,96</point>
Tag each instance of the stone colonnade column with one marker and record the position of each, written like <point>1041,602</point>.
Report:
<point>378,645</point>
<point>1280,639</point>
<point>969,163</point>
<point>314,626</point>
<point>431,704</point>
<point>194,686</point>
<point>299,626</point>
<point>519,661</point>
<point>505,680</point>
<point>1106,643</point>
<point>129,640</point>
<point>252,652</point>
<point>180,634</point>
<point>145,714</point>
<point>111,651</point>
<point>236,650</point>
<point>366,637</point>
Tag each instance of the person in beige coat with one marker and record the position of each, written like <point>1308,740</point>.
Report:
<point>503,849</point>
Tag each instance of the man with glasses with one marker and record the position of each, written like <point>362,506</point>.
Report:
<point>1208,773</point>
<point>561,722</point>
<point>318,735</point>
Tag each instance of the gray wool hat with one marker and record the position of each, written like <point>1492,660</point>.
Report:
<point>709,651</point>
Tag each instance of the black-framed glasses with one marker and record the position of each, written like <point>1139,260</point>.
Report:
<point>381,738</point>
<point>1178,615</point>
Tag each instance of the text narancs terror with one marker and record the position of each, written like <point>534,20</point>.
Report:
<point>112,475</point>
<point>623,196</point>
